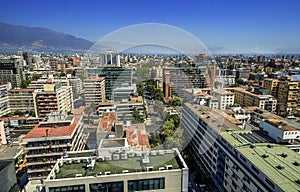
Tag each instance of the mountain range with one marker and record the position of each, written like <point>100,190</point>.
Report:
<point>36,39</point>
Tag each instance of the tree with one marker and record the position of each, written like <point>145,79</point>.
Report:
<point>140,89</point>
<point>176,101</point>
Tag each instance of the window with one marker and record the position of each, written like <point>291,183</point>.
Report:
<point>72,188</point>
<point>104,187</point>
<point>146,184</point>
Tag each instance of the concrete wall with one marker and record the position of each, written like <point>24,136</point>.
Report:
<point>7,175</point>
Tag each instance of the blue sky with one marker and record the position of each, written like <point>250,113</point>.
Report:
<point>232,25</point>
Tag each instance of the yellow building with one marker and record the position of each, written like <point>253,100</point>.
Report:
<point>246,99</point>
<point>284,90</point>
<point>288,93</point>
<point>272,86</point>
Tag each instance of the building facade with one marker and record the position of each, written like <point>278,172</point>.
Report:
<point>47,142</point>
<point>21,99</point>
<point>235,159</point>
<point>94,90</point>
<point>4,101</point>
<point>246,99</point>
<point>11,71</point>
<point>158,171</point>
<point>225,98</point>
<point>53,98</point>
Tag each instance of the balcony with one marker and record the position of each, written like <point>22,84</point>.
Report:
<point>39,170</point>
<point>40,163</point>
<point>45,146</point>
<point>44,154</point>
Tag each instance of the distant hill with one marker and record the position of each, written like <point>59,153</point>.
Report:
<point>17,37</point>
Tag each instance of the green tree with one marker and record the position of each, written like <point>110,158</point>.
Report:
<point>140,89</point>
<point>176,101</point>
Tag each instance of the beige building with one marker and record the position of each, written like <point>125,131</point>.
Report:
<point>126,171</point>
<point>53,98</point>
<point>225,98</point>
<point>247,99</point>
<point>94,90</point>
<point>21,99</point>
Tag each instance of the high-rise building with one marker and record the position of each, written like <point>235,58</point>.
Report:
<point>272,86</point>
<point>182,77</point>
<point>49,141</point>
<point>11,71</point>
<point>53,98</point>
<point>77,86</point>
<point>123,93</point>
<point>235,159</point>
<point>94,90</point>
<point>114,77</point>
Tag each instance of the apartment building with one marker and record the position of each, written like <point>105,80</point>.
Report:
<point>21,99</point>
<point>246,99</point>
<point>94,90</point>
<point>11,71</point>
<point>285,90</point>
<point>47,142</point>
<point>53,97</point>
<point>121,171</point>
<point>225,98</point>
<point>235,159</point>
<point>4,104</point>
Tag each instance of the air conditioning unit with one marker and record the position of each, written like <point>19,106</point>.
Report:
<point>107,173</point>
<point>149,168</point>
<point>169,167</point>
<point>78,175</point>
<point>125,171</point>
<point>161,169</point>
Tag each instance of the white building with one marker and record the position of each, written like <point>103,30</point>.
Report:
<point>281,130</point>
<point>225,98</point>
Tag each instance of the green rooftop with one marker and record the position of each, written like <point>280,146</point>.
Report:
<point>132,164</point>
<point>279,163</point>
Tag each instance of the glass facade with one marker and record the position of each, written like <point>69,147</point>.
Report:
<point>105,187</point>
<point>72,188</point>
<point>146,184</point>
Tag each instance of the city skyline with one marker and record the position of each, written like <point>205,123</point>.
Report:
<point>233,27</point>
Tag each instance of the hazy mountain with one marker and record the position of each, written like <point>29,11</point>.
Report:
<point>17,37</point>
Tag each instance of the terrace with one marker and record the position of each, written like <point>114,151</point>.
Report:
<point>78,167</point>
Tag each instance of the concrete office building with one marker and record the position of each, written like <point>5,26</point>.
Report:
<point>114,77</point>
<point>123,93</point>
<point>11,71</point>
<point>235,159</point>
<point>121,171</point>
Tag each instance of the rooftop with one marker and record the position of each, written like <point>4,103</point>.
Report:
<point>277,162</point>
<point>132,164</point>
<point>55,129</point>
<point>284,124</point>
<point>216,119</point>
<point>94,79</point>
<point>223,92</point>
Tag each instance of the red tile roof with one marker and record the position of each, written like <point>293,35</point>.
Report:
<point>38,131</point>
<point>137,136</point>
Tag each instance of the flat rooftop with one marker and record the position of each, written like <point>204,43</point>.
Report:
<point>132,164</point>
<point>279,163</point>
<point>216,119</point>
